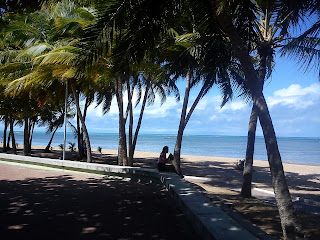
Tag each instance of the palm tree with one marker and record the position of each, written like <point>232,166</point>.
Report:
<point>237,20</point>
<point>305,48</point>
<point>203,63</point>
<point>101,47</point>
<point>52,115</point>
<point>227,17</point>
<point>50,62</point>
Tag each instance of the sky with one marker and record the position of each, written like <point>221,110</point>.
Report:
<point>293,98</point>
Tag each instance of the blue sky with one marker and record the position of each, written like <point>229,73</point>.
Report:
<point>292,95</point>
<point>293,98</point>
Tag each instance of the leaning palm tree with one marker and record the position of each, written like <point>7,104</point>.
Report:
<point>53,117</point>
<point>237,20</point>
<point>52,59</point>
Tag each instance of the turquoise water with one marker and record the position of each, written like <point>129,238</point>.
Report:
<point>302,150</point>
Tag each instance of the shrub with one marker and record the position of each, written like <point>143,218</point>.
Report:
<point>71,146</point>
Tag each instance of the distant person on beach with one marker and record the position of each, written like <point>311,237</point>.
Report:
<point>163,159</point>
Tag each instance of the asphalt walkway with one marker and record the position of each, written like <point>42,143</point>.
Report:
<point>41,203</point>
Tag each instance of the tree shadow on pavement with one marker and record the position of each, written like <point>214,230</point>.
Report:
<point>60,207</point>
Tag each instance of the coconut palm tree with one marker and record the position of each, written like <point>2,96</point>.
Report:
<point>101,45</point>
<point>50,60</point>
<point>52,116</point>
<point>305,48</point>
<point>237,20</point>
<point>230,17</point>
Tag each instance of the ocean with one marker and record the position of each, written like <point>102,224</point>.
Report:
<point>292,149</point>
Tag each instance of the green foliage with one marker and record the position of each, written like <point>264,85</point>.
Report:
<point>71,146</point>
<point>61,146</point>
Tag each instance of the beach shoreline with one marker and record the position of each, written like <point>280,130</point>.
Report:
<point>303,179</point>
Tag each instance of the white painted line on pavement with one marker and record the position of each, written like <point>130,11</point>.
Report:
<point>197,178</point>
<point>264,191</point>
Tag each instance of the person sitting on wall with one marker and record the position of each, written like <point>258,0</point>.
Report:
<point>163,160</point>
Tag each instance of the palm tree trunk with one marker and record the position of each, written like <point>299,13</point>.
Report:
<point>26,137</point>
<point>84,128</point>
<point>131,153</point>
<point>248,167</point>
<point>80,136</point>
<point>4,148</point>
<point>289,221</point>
<point>85,110</point>
<point>247,172</point>
<point>122,148</point>
<point>31,134</point>
<point>9,137</point>
<point>290,224</point>
<point>130,159</point>
<point>177,148</point>
<point>14,147</point>
<point>47,149</point>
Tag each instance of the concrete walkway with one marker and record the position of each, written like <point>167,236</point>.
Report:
<point>208,220</point>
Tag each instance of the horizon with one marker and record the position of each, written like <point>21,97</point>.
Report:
<point>20,131</point>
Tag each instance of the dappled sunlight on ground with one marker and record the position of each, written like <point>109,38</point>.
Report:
<point>64,207</point>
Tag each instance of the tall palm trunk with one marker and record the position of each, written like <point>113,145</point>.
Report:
<point>177,148</point>
<point>84,128</point>
<point>248,167</point>
<point>247,172</point>
<point>4,148</point>
<point>9,137</point>
<point>26,137</point>
<point>132,150</point>
<point>80,136</point>
<point>31,130</point>
<point>122,148</point>
<point>290,224</point>
<point>184,121</point>
<point>130,93</point>
<point>47,149</point>
<point>13,140</point>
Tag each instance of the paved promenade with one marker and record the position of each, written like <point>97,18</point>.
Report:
<point>138,207</point>
<point>41,203</point>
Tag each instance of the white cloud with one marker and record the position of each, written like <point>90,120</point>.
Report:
<point>157,110</point>
<point>295,96</point>
<point>95,111</point>
<point>234,106</point>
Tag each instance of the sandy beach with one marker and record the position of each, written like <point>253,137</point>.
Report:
<point>303,179</point>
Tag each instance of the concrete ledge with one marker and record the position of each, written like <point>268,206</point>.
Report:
<point>209,221</point>
<point>146,172</point>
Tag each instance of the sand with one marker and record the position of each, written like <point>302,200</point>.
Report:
<point>303,179</point>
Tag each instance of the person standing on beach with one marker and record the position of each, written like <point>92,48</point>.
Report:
<point>163,159</point>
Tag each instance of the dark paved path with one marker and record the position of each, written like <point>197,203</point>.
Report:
<point>49,204</point>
